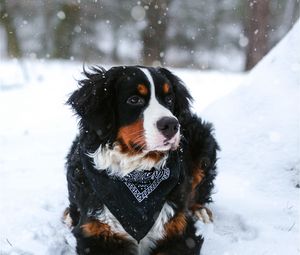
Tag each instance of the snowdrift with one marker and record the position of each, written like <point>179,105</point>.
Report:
<point>257,190</point>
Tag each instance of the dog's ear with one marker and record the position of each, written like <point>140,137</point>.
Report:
<point>183,98</point>
<point>93,101</point>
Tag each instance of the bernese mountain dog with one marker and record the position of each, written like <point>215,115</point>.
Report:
<point>140,173</point>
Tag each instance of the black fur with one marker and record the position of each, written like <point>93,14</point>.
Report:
<point>97,103</point>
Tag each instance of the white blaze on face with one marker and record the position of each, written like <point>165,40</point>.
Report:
<point>154,112</point>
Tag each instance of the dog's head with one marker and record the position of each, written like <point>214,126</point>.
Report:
<point>137,108</point>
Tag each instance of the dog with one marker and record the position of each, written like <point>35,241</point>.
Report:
<point>140,173</point>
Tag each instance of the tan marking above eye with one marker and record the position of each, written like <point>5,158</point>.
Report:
<point>166,88</point>
<point>143,90</point>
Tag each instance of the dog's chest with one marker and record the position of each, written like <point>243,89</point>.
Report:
<point>137,199</point>
<point>156,233</point>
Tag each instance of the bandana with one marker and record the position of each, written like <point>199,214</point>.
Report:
<point>136,199</point>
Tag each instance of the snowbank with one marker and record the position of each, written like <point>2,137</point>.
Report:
<point>257,189</point>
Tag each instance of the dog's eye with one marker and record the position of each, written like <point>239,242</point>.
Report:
<point>169,100</point>
<point>135,100</point>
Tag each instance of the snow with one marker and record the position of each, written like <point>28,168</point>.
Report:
<point>256,116</point>
<point>257,196</point>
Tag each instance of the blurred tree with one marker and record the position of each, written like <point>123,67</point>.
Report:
<point>284,15</point>
<point>154,35</point>
<point>257,31</point>
<point>64,34</point>
<point>12,42</point>
<point>290,14</point>
<point>204,34</point>
<point>47,13</point>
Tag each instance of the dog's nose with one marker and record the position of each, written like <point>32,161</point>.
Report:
<point>168,126</point>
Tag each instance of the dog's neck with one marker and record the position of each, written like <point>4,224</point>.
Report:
<point>117,163</point>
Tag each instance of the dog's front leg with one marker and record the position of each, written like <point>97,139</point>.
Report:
<point>97,238</point>
<point>180,238</point>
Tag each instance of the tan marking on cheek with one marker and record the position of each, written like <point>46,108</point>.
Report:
<point>132,136</point>
<point>176,226</point>
<point>166,88</point>
<point>143,90</point>
<point>96,228</point>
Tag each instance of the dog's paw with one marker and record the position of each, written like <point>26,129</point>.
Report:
<point>204,214</point>
<point>66,219</point>
<point>204,219</point>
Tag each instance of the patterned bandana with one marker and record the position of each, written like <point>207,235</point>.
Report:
<point>136,199</point>
<point>143,183</point>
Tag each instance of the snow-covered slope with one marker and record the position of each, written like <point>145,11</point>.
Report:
<point>257,189</point>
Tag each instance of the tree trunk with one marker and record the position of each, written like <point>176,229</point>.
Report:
<point>290,15</point>
<point>64,34</point>
<point>257,31</point>
<point>155,33</point>
<point>12,42</point>
<point>47,33</point>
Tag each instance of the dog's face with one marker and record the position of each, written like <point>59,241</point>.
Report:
<point>146,112</point>
<point>137,108</point>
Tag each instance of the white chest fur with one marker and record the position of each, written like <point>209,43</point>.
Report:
<point>120,164</point>
<point>149,241</point>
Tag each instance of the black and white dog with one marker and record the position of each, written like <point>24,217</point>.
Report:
<point>141,170</point>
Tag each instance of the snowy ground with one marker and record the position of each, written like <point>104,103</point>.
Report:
<point>257,125</point>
